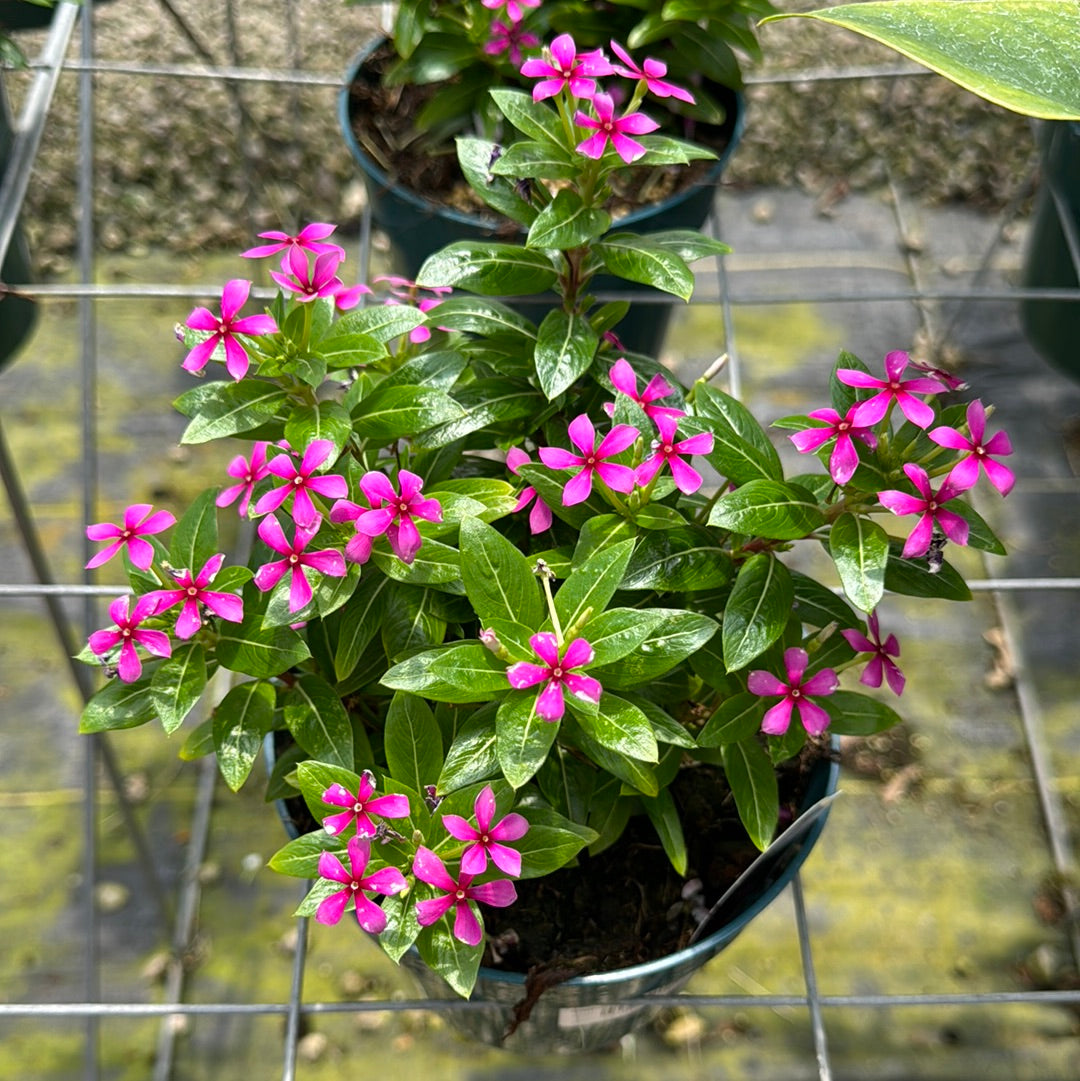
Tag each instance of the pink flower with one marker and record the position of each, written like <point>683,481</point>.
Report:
<point>892,389</point>
<point>405,291</point>
<point>309,282</point>
<point>137,523</point>
<point>510,37</point>
<point>361,806</point>
<point>309,238</point>
<point>249,474</point>
<point>951,381</point>
<point>358,549</point>
<point>192,592</point>
<point>651,73</point>
<point>386,881</point>
<point>540,515</point>
<point>844,459</point>
<point>296,559</point>
<point>487,836</point>
<point>514,8</point>
<point>795,692</point>
<point>128,632</point>
<point>563,65</point>
<point>624,379</point>
<point>301,481</point>
<point>225,329</point>
<point>966,471</point>
<point>592,459</point>
<point>882,662</point>
<point>687,479</point>
<point>556,673</point>
<point>456,895</point>
<point>392,512</point>
<point>618,131</point>
<point>928,504</point>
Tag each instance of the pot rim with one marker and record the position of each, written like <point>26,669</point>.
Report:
<point>475,220</point>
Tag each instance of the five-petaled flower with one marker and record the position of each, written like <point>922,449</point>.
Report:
<point>456,895</point>
<point>514,8</point>
<point>128,632</point>
<point>248,473</point>
<point>844,459</point>
<point>406,291</point>
<point>309,281</point>
<point>191,591</point>
<point>386,881</point>
<point>966,471</point>
<point>651,73</point>
<point>556,673</point>
<point>687,479</point>
<point>487,836</point>
<point>624,379</point>
<point>311,238</point>
<point>540,515</point>
<point>327,562</point>
<point>882,662</point>
<point>391,512</point>
<point>360,806</point>
<point>592,459</point>
<point>224,330</point>
<point>510,38</point>
<point>137,523</point>
<point>618,130</point>
<point>928,504</point>
<point>300,481</point>
<point>891,389</point>
<point>795,692</point>
<point>562,65</point>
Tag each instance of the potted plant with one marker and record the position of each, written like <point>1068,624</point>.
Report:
<point>500,632</point>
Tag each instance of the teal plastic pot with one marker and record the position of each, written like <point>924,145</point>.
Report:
<point>1053,326</point>
<point>590,1012</point>
<point>418,227</point>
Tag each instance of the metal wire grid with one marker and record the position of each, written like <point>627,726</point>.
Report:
<point>181,915</point>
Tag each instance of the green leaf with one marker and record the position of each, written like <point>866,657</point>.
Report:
<point>300,857</point>
<point>667,729</point>
<point>178,684</point>
<point>664,816</point>
<point>472,756</point>
<point>750,773</point>
<point>401,929</point>
<point>241,722</point>
<point>741,449</point>
<point>199,742</point>
<point>736,719</point>
<point>757,610</point>
<point>360,622</point>
<point>1020,54</point>
<point>394,412</point>
<point>489,269</point>
<point>980,535</point>
<point>858,714</point>
<point>194,539</point>
<point>567,783</point>
<point>472,667</point>
<point>475,158</point>
<point>768,508</point>
<point>495,498</point>
<point>638,775</point>
<point>414,674</point>
<point>860,550</point>
<point>592,584</point>
<point>671,641</point>
<point>440,369</point>
<point>314,778</point>
<point>657,516</point>
<point>452,959</point>
<point>413,742</point>
<point>708,53</point>
<point>538,159</point>
<point>531,118</point>
<point>484,403</point>
<point>551,842</point>
<point>222,409</point>
<point>383,322</point>
<point>498,579</point>
<point>323,420</point>
<point>620,726</point>
<point>256,651</point>
<point>351,351</point>
<point>913,578</point>
<point>118,705</point>
<point>488,318</point>
<point>632,257</point>
<point>318,721</point>
<point>522,738</point>
<point>565,347</point>
<point>619,631</point>
<point>688,244</point>
<point>411,622</point>
<point>435,564</point>
<point>566,222</point>
<point>818,606</point>
<point>678,560</point>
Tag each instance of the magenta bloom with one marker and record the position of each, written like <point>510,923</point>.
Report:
<point>665,450</point>
<point>405,291</point>
<point>651,73</point>
<point>966,471</point>
<point>514,8</point>
<point>392,512</point>
<point>844,459</point>
<point>509,38</point>
<point>487,836</point>
<point>225,330</point>
<point>386,881</point>
<point>128,632</point>
<point>307,281</point>
<point>540,515</point>
<point>456,895</point>
<point>891,389</point>
<point>952,382</point>
<point>360,806</point>
<point>192,592</point>
<point>327,562</point>
<point>556,673</point>
<point>310,238</point>
<point>563,65</point>
<point>137,523</point>
<point>624,379</point>
<point>248,474</point>
<point>928,504</point>
<point>795,692</point>
<point>882,662</point>
<point>358,549</point>
<point>301,481</point>
<point>617,130</point>
<point>592,459</point>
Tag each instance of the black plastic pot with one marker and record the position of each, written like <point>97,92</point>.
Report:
<point>418,227</point>
<point>1053,326</point>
